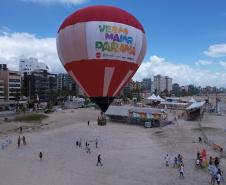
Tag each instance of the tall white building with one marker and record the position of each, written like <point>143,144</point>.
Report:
<point>30,64</point>
<point>162,83</point>
<point>169,84</point>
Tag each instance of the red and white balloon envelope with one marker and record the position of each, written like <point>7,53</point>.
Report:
<point>101,47</point>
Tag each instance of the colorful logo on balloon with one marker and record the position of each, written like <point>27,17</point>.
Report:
<point>116,39</point>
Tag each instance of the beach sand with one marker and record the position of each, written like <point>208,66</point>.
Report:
<point>131,155</point>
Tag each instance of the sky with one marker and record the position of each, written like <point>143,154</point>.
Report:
<point>186,39</point>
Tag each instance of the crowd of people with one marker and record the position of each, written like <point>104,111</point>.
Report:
<point>214,170</point>
<point>175,162</point>
<point>78,144</point>
<point>213,166</point>
<point>87,147</point>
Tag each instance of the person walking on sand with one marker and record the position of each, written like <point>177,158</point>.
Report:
<point>18,142</point>
<point>40,156</point>
<point>167,160</point>
<point>96,142</point>
<point>200,139</point>
<point>88,123</point>
<point>80,143</point>
<point>88,149</point>
<point>175,162</point>
<point>24,140</point>
<point>181,170</point>
<point>180,158</point>
<point>20,130</point>
<point>218,178</point>
<point>99,160</point>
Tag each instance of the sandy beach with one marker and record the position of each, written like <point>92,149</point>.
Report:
<point>131,155</point>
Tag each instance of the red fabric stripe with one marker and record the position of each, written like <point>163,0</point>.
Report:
<point>90,73</point>
<point>102,13</point>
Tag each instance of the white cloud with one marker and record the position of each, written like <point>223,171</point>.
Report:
<point>222,63</point>
<point>181,73</point>
<point>217,50</point>
<point>203,62</point>
<point>68,2</point>
<point>14,46</point>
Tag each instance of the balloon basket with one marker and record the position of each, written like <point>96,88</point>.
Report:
<point>101,121</point>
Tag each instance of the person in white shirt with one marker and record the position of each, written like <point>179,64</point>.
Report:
<point>218,178</point>
<point>167,160</point>
<point>181,170</point>
<point>197,163</point>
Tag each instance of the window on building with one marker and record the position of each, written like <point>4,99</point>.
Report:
<point>14,80</point>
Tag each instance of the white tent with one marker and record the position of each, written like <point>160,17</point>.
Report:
<point>159,98</point>
<point>152,97</point>
<point>196,105</point>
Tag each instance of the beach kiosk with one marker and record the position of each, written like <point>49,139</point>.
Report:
<point>149,117</point>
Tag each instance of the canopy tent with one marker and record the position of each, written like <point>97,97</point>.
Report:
<point>159,98</point>
<point>192,100</point>
<point>155,98</point>
<point>124,110</point>
<point>196,105</point>
<point>152,97</point>
<point>117,111</point>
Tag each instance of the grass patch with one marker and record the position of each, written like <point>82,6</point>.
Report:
<point>31,117</point>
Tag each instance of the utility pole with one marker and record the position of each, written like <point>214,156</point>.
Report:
<point>216,101</point>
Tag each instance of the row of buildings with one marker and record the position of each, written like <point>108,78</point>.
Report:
<point>159,85</point>
<point>33,81</point>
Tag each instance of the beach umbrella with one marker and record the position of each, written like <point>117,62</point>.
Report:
<point>101,47</point>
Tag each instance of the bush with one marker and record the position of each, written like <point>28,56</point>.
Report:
<point>31,117</point>
<point>47,111</point>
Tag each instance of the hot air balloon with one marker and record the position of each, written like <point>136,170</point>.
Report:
<point>101,47</point>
